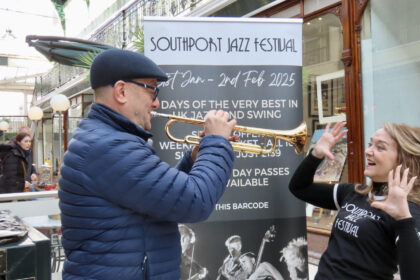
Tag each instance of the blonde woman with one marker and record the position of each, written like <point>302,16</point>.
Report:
<point>377,226</point>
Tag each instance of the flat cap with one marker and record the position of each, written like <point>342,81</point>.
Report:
<point>115,64</point>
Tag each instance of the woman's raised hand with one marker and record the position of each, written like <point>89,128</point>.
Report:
<point>328,139</point>
<point>396,204</point>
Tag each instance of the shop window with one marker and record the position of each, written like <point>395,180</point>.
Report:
<point>390,64</point>
<point>87,103</point>
<point>88,98</point>
<point>57,143</point>
<point>4,61</point>
<point>324,100</point>
<point>37,144</point>
<point>80,106</point>
<point>289,12</point>
<point>75,115</point>
<point>311,6</point>
<point>47,141</point>
<point>86,109</point>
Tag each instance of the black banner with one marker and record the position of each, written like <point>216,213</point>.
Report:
<point>258,228</point>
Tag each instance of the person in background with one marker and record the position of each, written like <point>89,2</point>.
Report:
<point>377,225</point>
<point>120,204</point>
<point>31,174</point>
<point>14,165</point>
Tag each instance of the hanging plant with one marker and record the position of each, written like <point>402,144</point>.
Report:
<point>86,59</point>
<point>306,78</point>
<point>193,4</point>
<point>59,7</point>
<point>138,42</point>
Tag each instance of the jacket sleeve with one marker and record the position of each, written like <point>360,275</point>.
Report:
<point>408,247</point>
<point>303,187</point>
<point>186,163</point>
<point>137,179</point>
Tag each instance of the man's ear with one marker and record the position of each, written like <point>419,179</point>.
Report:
<point>120,92</point>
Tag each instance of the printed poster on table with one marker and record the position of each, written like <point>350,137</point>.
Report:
<point>251,68</point>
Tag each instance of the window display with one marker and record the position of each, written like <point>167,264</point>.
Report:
<point>324,101</point>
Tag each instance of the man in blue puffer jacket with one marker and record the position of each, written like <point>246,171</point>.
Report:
<point>120,203</point>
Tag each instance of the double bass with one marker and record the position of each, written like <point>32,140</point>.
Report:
<point>268,236</point>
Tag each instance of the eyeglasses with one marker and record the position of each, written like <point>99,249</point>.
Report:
<point>155,89</point>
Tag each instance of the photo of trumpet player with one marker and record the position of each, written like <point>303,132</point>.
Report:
<point>120,203</point>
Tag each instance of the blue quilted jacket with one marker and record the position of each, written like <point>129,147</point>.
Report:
<point>120,203</point>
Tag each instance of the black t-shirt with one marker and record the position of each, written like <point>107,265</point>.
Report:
<point>365,243</point>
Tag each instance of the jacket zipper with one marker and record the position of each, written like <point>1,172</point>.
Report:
<point>144,267</point>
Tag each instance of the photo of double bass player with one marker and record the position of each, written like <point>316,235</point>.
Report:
<point>247,266</point>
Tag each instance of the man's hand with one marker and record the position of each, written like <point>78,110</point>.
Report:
<point>217,122</point>
<point>194,152</point>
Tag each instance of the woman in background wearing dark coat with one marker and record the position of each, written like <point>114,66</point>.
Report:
<point>15,165</point>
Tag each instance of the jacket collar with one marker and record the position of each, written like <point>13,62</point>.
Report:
<point>18,151</point>
<point>117,121</point>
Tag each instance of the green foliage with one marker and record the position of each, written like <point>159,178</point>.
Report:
<point>86,59</point>
<point>59,6</point>
<point>306,79</point>
<point>138,35</point>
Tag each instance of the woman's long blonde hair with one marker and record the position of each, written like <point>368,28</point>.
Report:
<point>408,143</point>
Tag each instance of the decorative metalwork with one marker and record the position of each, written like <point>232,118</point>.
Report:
<point>58,76</point>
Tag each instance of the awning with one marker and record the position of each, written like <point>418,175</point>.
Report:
<point>67,51</point>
